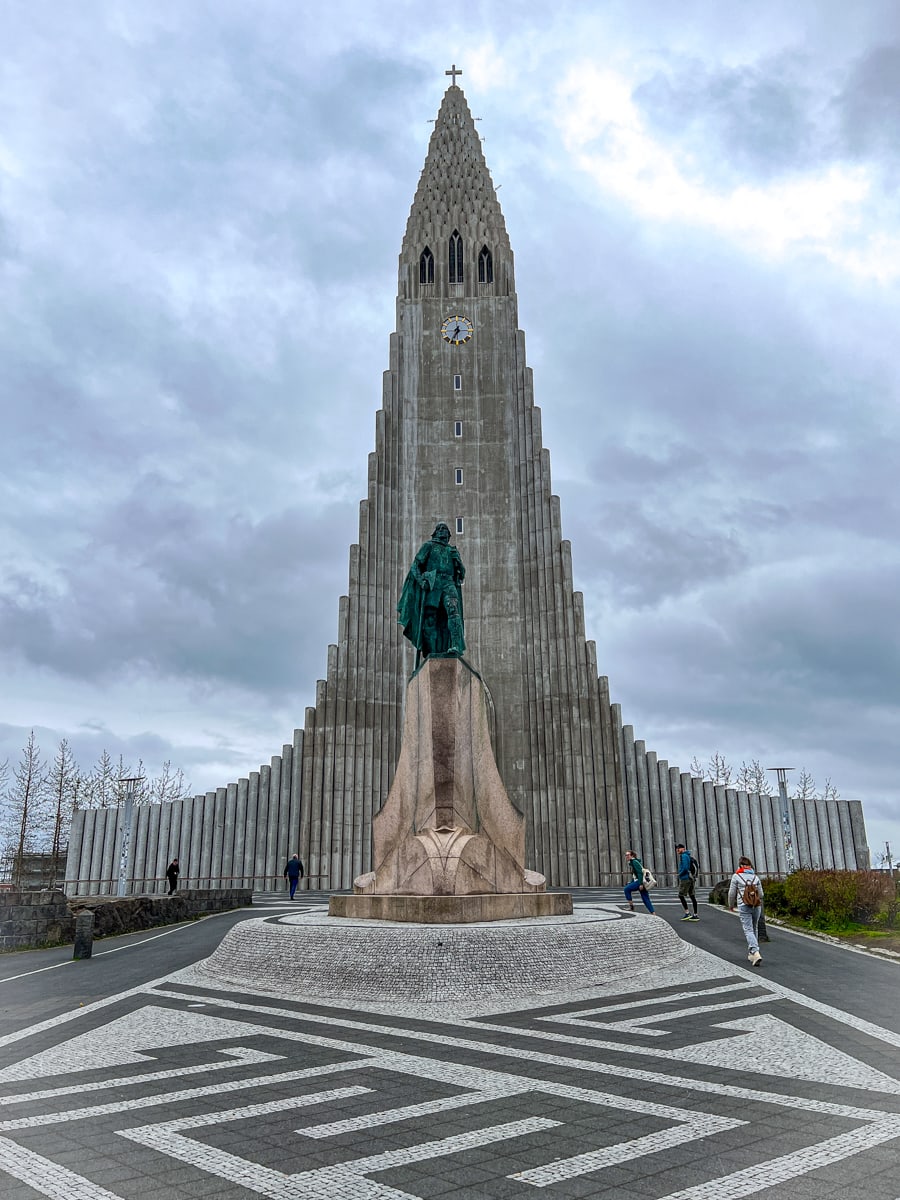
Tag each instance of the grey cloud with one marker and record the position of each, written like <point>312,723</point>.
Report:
<point>88,742</point>
<point>869,103</point>
<point>758,118</point>
<point>169,589</point>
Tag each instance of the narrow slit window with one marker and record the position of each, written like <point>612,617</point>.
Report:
<point>459,524</point>
<point>485,266</point>
<point>426,266</point>
<point>456,257</point>
<point>459,474</point>
<point>457,383</point>
<point>457,429</point>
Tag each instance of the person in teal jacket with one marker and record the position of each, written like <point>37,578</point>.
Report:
<point>686,883</point>
<point>637,884</point>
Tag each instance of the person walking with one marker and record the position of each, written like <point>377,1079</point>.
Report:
<point>172,873</point>
<point>637,883</point>
<point>746,891</point>
<point>761,931</point>
<point>686,883</point>
<point>293,872</point>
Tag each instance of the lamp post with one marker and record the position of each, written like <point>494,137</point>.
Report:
<point>130,785</point>
<point>786,824</point>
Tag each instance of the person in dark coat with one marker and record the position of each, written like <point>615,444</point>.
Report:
<point>293,872</point>
<point>172,873</point>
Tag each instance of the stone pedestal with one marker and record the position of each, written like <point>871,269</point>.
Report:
<point>448,830</point>
<point>452,910</point>
<point>431,970</point>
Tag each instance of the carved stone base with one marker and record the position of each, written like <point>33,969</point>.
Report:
<point>452,910</point>
<point>448,827</point>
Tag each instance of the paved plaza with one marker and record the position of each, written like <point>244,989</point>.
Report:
<point>708,1081</point>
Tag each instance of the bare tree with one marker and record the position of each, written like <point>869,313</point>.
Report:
<point>884,858</point>
<point>829,791</point>
<point>5,824</point>
<point>63,782</point>
<point>752,777</point>
<point>101,785</point>
<point>26,807</point>
<point>169,785</point>
<point>718,770</point>
<point>806,786</point>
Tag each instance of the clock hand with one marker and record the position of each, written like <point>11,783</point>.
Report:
<point>456,332</point>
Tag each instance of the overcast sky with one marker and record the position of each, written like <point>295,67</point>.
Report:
<point>201,208</point>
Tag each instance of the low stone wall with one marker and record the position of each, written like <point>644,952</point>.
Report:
<point>32,919</point>
<point>35,919</point>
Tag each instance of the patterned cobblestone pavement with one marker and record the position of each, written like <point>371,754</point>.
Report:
<point>710,1084</point>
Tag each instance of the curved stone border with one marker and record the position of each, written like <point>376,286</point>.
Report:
<point>317,957</point>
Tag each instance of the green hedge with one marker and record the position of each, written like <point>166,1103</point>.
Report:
<point>836,899</point>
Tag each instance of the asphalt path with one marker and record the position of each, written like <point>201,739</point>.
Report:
<point>848,979</point>
<point>36,985</point>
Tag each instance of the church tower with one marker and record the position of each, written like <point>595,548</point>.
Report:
<point>458,439</point>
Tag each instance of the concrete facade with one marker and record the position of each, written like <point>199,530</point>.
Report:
<point>458,439</point>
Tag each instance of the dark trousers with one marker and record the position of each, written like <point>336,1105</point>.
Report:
<point>685,893</point>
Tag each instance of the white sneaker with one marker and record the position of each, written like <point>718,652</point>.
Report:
<point>755,958</point>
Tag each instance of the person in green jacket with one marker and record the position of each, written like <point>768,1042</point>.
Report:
<point>637,883</point>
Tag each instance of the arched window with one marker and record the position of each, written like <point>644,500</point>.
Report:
<point>426,266</point>
<point>456,257</point>
<point>485,266</point>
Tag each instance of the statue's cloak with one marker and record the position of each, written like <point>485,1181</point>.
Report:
<point>411,607</point>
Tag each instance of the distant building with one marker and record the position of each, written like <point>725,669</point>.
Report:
<point>38,871</point>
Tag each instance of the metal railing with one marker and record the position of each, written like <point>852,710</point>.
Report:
<point>159,884</point>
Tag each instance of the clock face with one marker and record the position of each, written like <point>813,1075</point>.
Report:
<point>457,329</point>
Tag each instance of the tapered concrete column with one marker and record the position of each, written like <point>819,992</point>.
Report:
<point>238,862</point>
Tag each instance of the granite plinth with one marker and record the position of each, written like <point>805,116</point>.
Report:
<point>447,827</point>
<point>452,910</point>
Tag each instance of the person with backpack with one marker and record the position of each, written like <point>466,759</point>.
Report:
<point>688,871</point>
<point>746,891</point>
<point>637,883</point>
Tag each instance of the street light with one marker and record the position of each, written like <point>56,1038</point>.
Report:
<point>130,784</point>
<point>786,826</point>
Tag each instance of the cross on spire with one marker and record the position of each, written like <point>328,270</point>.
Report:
<point>453,72</point>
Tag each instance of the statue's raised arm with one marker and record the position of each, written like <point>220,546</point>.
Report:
<point>430,608</point>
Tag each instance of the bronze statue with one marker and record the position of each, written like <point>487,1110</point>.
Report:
<point>430,608</point>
